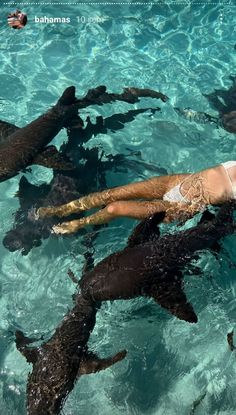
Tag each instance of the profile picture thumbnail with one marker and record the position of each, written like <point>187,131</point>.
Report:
<point>17,19</point>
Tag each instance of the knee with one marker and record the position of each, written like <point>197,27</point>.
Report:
<point>115,208</point>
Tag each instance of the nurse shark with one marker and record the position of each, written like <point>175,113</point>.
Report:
<point>222,100</point>
<point>60,361</point>
<point>150,266</point>
<point>19,147</point>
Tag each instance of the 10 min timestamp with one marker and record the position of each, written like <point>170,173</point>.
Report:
<point>90,19</point>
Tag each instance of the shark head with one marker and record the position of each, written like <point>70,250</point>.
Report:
<point>24,237</point>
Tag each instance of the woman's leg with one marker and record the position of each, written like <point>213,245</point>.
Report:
<point>130,209</point>
<point>153,188</point>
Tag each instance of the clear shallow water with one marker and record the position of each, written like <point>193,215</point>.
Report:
<point>184,52</point>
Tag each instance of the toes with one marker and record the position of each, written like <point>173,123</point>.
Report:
<point>59,229</point>
<point>66,228</point>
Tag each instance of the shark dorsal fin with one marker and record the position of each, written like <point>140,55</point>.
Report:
<point>30,353</point>
<point>146,230</point>
<point>95,93</point>
<point>68,96</point>
<point>6,130</point>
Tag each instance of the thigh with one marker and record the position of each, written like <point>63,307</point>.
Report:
<point>162,184</point>
<point>153,188</point>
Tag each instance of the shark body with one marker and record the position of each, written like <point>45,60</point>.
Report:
<point>19,147</point>
<point>151,265</point>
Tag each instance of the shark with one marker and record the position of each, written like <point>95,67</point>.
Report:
<point>221,100</point>
<point>20,147</point>
<point>151,265</point>
<point>60,361</point>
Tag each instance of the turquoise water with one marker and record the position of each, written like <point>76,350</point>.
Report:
<point>183,51</point>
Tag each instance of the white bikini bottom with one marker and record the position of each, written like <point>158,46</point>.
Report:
<point>174,194</point>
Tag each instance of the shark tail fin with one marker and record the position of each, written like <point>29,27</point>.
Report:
<point>68,96</point>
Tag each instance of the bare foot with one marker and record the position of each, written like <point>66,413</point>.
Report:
<point>64,228</point>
